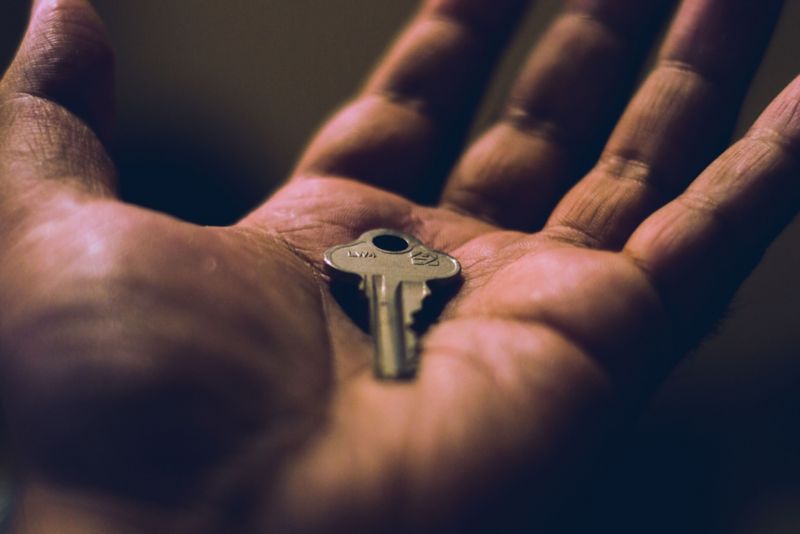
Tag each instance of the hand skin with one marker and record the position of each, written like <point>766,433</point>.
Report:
<point>163,377</point>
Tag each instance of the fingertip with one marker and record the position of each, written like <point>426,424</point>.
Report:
<point>70,19</point>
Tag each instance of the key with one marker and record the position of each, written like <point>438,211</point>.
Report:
<point>395,270</point>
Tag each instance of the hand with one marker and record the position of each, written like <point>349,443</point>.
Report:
<point>163,377</point>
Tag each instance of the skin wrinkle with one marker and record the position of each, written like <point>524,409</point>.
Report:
<point>714,81</point>
<point>53,136</point>
<point>384,210</point>
<point>628,168</point>
<point>604,220</point>
<point>651,306</point>
<point>481,367</point>
<point>407,103</point>
<point>471,194</point>
<point>535,104</point>
<point>569,232</point>
<point>526,123</point>
<point>775,139</point>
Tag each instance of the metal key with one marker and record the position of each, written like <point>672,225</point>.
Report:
<point>395,269</point>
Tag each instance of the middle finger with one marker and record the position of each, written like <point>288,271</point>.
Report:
<point>559,113</point>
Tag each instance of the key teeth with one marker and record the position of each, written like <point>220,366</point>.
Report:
<point>412,329</point>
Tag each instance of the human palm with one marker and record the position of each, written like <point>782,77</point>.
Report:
<point>161,376</point>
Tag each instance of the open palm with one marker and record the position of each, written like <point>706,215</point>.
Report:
<point>159,376</point>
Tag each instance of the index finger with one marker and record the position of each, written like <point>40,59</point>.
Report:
<point>413,111</point>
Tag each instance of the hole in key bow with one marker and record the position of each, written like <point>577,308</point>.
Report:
<point>390,243</point>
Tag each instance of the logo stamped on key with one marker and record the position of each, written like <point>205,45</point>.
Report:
<point>361,254</point>
<point>425,258</point>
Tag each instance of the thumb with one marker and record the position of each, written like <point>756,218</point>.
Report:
<point>57,97</point>
<point>66,57</point>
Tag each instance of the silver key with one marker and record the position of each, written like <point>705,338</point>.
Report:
<point>395,269</point>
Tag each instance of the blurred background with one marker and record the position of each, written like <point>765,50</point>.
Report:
<point>216,100</point>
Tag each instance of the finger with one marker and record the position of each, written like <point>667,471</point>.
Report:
<point>699,248</point>
<point>413,112</point>
<point>681,118</point>
<point>56,102</point>
<point>560,111</point>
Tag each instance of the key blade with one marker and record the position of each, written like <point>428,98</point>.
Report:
<point>386,324</point>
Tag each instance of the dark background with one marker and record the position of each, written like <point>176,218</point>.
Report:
<point>216,99</point>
